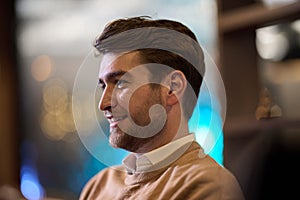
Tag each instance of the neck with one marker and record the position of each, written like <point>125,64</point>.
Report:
<point>173,130</point>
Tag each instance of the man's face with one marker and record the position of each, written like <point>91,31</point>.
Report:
<point>126,95</point>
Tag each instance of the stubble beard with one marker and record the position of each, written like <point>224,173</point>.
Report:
<point>120,139</point>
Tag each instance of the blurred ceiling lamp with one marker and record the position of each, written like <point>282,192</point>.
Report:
<point>296,27</point>
<point>279,42</point>
<point>272,43</point>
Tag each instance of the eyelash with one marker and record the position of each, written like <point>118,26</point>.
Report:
<point>117,82</point>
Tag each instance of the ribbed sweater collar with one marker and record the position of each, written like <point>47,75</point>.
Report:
<point>185,154</point>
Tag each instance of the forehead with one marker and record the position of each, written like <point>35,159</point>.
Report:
<point>113,62</point>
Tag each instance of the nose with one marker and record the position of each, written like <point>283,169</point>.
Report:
<point>107,101</point>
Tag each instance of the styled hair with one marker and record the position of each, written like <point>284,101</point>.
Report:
<point>107,42</point>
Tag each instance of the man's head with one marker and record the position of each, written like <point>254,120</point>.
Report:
<point>182,73</point>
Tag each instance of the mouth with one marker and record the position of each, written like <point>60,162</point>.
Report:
<point>113,121</point>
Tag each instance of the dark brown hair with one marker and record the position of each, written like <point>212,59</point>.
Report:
<point>151,55</point>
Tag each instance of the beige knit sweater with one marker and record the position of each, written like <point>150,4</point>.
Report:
<point>189,177</point>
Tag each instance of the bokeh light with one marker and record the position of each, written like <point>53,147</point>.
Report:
<point>268,38</point>
<point>57,115</point>
<point>41,68</point>
<point>30,186</point>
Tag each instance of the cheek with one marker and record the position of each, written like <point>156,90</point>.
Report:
<point>123,97</point>
<point>143,98</point>
<point>135,100</point>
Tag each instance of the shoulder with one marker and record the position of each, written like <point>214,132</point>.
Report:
<point>206,176</point>
<point>205,167</point>
<point>196,163</point>
<point>98,181</point>
<point>105,174</point>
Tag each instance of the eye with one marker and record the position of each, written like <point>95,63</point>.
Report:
<point>121,84</point>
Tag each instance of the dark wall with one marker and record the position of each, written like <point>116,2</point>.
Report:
<point>9,130</point>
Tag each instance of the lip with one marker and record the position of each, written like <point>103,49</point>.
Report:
<point>113,121</point>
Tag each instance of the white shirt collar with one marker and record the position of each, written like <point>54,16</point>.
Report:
<point>141,162</point>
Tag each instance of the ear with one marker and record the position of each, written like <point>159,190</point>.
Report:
<point>177,84</point>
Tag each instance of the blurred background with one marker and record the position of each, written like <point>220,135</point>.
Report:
<point>255,44</point>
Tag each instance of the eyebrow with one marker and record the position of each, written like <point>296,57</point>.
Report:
<point>111,76</point>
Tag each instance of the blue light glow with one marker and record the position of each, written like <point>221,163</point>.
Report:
<point>30,186</point>
<point>208,131</point>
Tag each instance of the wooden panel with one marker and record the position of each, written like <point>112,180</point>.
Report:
<point>9,140</point>
<point>239,72</point>
<point>257,15</point>
<point>224,5</point>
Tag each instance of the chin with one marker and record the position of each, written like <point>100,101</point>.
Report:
<point>115,138</point>
<point>119,139</point>
<point>123,141</point>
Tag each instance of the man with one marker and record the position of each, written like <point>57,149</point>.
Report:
<point>150,75</point>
